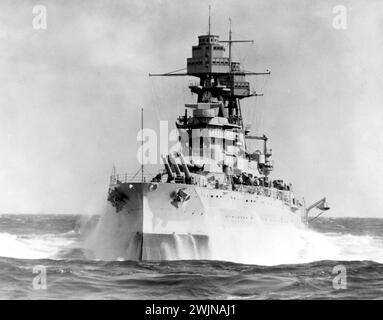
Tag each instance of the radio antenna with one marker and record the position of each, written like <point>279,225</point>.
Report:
<point>209,20</point>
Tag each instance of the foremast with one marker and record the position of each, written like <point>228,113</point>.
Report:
<point>214,136</point>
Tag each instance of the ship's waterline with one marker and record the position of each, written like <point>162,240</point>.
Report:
<point>262,243</point>
<point>56,242</point>
<point>152,226</point>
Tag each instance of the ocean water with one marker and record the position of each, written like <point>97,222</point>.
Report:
<point>299,267</point>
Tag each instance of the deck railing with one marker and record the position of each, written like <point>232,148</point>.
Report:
<point>284,195</point>
<point>129,177</point>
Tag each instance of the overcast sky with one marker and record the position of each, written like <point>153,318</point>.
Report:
<point>70,95</point>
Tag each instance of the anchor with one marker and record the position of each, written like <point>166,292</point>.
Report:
<point>117,199</point>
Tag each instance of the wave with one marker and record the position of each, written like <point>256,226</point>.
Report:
<point>258,245</point>
<point>46,246</point>
<point>291,245</point>
<point>109,241</point>
<point>357,247</point>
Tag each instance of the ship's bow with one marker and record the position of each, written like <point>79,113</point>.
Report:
<point>161,220</point>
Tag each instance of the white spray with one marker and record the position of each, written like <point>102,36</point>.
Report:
<point>259,244</point>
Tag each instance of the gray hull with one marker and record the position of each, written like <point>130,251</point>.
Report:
<point>163,226</point>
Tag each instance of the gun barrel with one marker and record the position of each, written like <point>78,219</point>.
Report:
<point>173,161</point>
<point>167,167</point>
<point>185,167</point>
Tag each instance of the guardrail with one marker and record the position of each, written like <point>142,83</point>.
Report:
<point>283,195</point>
<point>128,177</point>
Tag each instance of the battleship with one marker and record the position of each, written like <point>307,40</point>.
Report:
<point>214,182</point>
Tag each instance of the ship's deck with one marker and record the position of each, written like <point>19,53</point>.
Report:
<point>285,196</point>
